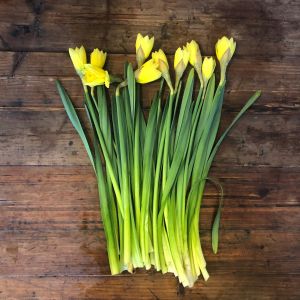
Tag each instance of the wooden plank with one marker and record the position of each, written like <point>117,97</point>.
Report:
<point>40,26</point>
<point>23,186</point>
<point>71,252</point>
<point>230,286</point>
<point>41,92</point>
<point>33,63</point>
<point>30,137</point>
<point>189,9</point>
<point>52,239</point>
<point>271,10</point>
<point>29,73</point>
<point>234,218</point>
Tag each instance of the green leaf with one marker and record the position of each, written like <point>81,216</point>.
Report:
<point>131,89</point>
<point>243,110</point>
<point>108,221</point>
<point>185,103</point>
<point>216,224</point>
<point>179,153</point>
<point>71,112</point>
<point>215,231</point>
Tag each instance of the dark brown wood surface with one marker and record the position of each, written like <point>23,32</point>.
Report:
<point>52,242</point>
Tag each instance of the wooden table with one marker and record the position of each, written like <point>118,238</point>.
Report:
<point>51,238</point>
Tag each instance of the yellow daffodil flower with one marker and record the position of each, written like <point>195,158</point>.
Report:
<point>181,57</point>
<point>98,58</point>
<point>147,72</point>
<point>195,58</point>
<point>194,51</point>
<point>181,60</point>
<point>208,67</point>
<point>160,58</point>
<point>78,57</point>
<point>225,46</point>
<point>224,50</point>
<point>94,76</point>
<point>143,47</point>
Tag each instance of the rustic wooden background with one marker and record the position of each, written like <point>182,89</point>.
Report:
<point>51,240</point>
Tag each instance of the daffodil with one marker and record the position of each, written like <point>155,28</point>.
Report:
<point>148,72</point>
<point>195,57</point>
<point>152,168</point>
<point>143,47</point>
<point>181,57</point>
<point>160,58</point>
<point>181,60</point>
<point>78,57</point>
<point>94,76</point>
<point>224,50</point>
<point>208,67</point>
<point>98,58</point>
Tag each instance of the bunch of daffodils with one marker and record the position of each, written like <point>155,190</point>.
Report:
<point>151,172</point>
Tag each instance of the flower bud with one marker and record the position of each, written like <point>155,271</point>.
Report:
<point>224,50</point>
<point>195,57</point>
<point>78,57</point>
<point>160,58</point>
<point>208,67</point>
<point>143,47</point>
<point>181,60</point>
<point>98,58</point>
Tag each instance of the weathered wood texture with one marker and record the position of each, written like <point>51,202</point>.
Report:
<point>52,242</point>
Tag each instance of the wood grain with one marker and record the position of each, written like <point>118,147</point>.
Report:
<point>258,139</point>
<point>29,72</point>
<point>34,25</point>
<point>52,243</point>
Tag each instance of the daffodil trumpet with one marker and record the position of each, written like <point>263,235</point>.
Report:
<point>152,171</point>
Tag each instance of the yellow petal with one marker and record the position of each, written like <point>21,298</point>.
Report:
<point>223,45</point>
<point>147,45</point>
<point>177,57</point>
<point>208,67</point>
<point>147,72</point>
<point>193,49</point>
<point>186,55</point>
<point>107,79</point>
<point>78,57</point>
<point>159,55</point>
<point>94,76</point>
<point>82,55</point>
<point>73,57</point>
<point>98,58</point>
<point>138,42</point>
<point>181,55</point>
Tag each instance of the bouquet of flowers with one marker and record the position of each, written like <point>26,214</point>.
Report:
<point>152,170</point>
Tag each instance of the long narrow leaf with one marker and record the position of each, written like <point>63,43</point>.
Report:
<point>243,110</point>
<point>71,112</point>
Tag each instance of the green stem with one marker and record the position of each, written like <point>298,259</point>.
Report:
<point>108,163</point>
<point>125,187</point>
<point>136,170</point>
